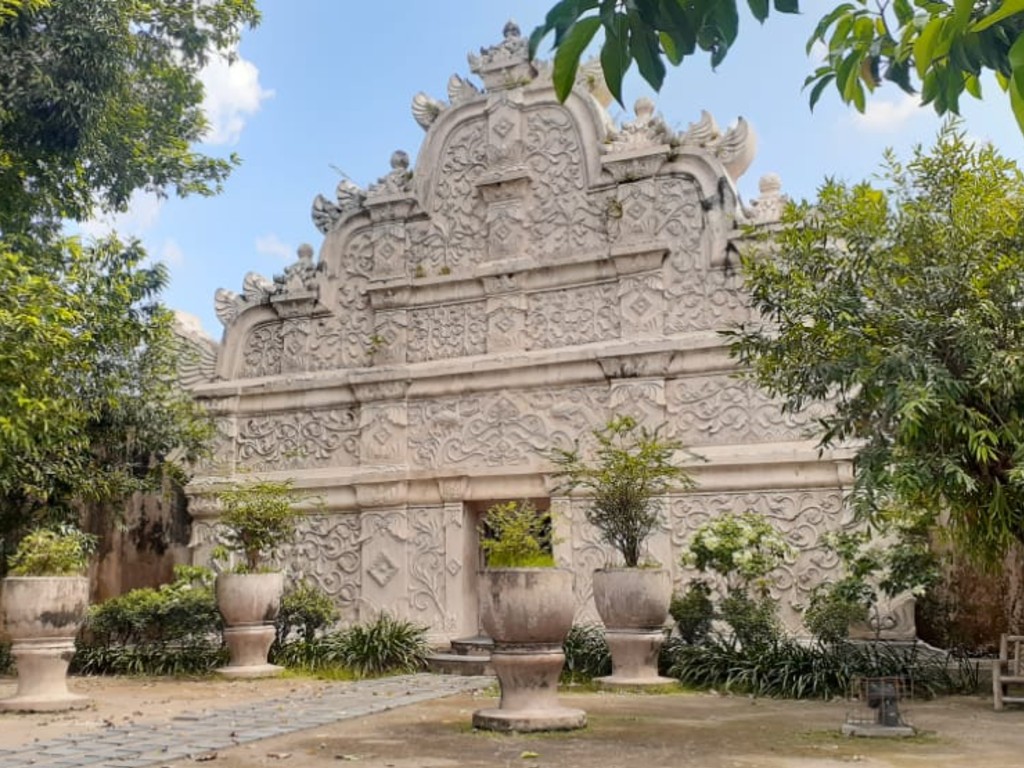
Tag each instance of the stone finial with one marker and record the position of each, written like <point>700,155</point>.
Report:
<point>646,130</point>
<point>702,133</point>
<point>735,148</point>
<point>299,276</point>
<point>398,180</point>
<point>768,208</point>
<point>256,288</point>
<point>227,304</point>
<point>505,65</point>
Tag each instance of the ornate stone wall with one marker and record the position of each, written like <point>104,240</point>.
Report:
<point>538,271</point>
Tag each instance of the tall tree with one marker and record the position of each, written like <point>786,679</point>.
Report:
<point>939,46</point>
<point>97,100</point>
<point>901,305</point>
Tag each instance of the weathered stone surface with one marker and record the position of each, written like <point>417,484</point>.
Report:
<point>535,270</point>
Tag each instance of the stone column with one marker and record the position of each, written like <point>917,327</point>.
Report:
<point>460,561</point>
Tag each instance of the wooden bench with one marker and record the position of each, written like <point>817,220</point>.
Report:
<point>1008,670</point>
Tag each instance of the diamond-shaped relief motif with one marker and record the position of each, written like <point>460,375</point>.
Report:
<point>636,210</point>
<point>503,126</point>
<point>502,231</point>
<point>454,566</point>
<point>382,570</point>
<point>505,322</point>
<point>640,305</point>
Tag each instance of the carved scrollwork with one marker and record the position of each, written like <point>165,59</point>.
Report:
<point>299,439</point>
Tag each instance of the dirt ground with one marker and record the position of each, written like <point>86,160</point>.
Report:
<point>625,730</point>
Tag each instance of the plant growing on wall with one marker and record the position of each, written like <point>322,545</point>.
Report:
<point>631,468</point>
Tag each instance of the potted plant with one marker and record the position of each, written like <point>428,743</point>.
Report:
<point>632,469</point>
<point>256,519</point>
<point>45,597</point>
<point>526,607</point>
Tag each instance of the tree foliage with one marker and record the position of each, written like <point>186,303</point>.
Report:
<point>901,305</point>
<point>97,100</point>
<point>939,46</point>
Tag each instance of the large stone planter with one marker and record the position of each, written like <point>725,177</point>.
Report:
<point>42,615</point>
<point>633,604</point>
<point>249,603</point>
<point>527,612</point>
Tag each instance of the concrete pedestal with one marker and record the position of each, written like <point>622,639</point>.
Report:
<point>248,646</point>
<point>634,658</point>
<point>529,692</point>
<point>42,677</point>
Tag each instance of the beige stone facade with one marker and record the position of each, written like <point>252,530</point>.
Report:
<point>537,270</point>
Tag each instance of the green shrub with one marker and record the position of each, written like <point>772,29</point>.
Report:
<point>832,608</point>
<point>693,612</point>
<point>516,535</point>
<point>6,660</point>
<point>754,620</point>
<point>586,654</point>
<point>258,518</point>
<point>53,552</point>
<point>789,669</point>
<point>385,645</point>
<point>305,611</point>
<point>172,630</point>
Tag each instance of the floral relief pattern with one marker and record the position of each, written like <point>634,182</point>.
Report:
<point>441,332</point>
<point>572,316</point>
<point>299,439</point>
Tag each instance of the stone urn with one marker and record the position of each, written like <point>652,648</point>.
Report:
<point>249,603</point>
<point>633,604</point>
<point>42,615</point>
<point>527,612</point>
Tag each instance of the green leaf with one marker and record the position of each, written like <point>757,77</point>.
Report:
<point>904,12</point>
<point>567,58</point>
<point>819,88</point>
<point>615,58</point>
<point>759,8</point>
<point>924,48</point>
<point>1007,9</point>
<point>787,6</point>
<point>644,47</point>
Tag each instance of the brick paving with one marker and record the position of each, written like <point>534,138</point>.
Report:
<point>193,736</point>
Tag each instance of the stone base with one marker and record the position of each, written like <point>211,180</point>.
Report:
<point>63,703</point>
<point>249,645</point>
<point>526,720</point>
<point>878,731</point>
<point>251,671</point>
<point>635,657</point>
<point>623,683</point>
<point>42,677</point>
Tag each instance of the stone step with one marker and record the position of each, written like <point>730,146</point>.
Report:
<point>459,664</point>
<point>480,645</point>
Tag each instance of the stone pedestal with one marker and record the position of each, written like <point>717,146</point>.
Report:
<point>42,677</point>
<point>634,658</point>
<point>249,647</point>
<point>528,675</point>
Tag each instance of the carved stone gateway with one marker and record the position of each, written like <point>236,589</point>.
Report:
<point>535,271</point>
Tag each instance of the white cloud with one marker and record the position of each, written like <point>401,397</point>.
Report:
<point>881,116</point>
<point>272,245</point>
<point>233,94</point>
<point>141,216</point>
<point>172,254</point>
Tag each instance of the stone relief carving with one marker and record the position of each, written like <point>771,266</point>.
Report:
<point>427,568</point>
<point>573,316</point>
<point>300,276</point>
<point>383,432</point>
<point>326,551</point>
<point>437,333</point>
<point>397,181</point>
<point>505,65</point>
<point>299,439</point>
<point>721,409</point>
<point>293,345</point>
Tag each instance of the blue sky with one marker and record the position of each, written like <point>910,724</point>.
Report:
<point>324,87</point>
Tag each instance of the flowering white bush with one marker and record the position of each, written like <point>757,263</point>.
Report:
<point>743,548</point>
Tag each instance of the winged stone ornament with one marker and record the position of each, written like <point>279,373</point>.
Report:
<point>737,148</point>
<point>460,89</point>
<point>701,133</point>
<point>256,287</point>
<point>226,305</point>
<point>425,109</point>
<point>324,213</point>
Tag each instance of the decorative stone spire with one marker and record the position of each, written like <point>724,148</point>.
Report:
<point>505,65</point>
<point>398,181</point>
<point>646,130</point>
<point>768,208</point>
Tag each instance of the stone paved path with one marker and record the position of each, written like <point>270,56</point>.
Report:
<point>186,736</point>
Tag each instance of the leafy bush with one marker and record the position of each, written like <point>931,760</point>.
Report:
<point>172,630</point>
<point>53,552</point>
<point>633,466</point>
<point>385,645</point>
<point>305,610</point>
<point>789,669</point>
<point>754,620</point>
<point>832,608</point>
<point>258,518</point>
<point>743,548</point>
<point>6,660</point>
<point>586,654</point>
<point>693,612</point>
<point>516,535</point>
